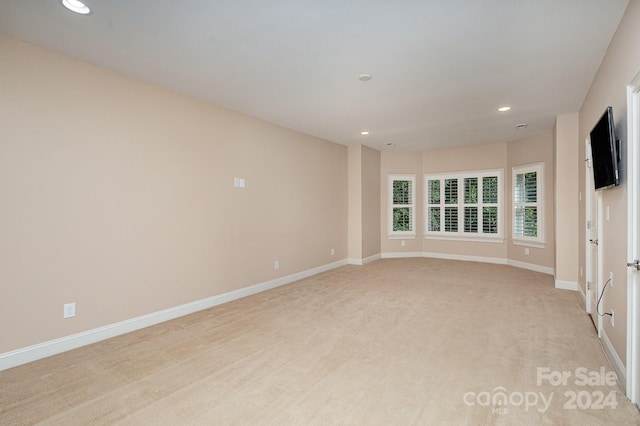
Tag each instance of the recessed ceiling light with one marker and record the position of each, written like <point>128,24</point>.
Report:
<point>364,133</point>
<point>504,108</point>
<point>365,77</point>
<point>76,6</point>
<point>390,144</point>
<point>521,126</point>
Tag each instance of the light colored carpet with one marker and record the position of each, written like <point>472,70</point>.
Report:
<point>395,342</point>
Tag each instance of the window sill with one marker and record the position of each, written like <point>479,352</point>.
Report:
<point>402,236</point>
<point>478,239</point>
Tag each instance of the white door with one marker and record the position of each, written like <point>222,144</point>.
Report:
<point>593,204</point>
<point>633,240</point>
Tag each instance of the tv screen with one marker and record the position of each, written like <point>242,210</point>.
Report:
<point>604,153</point>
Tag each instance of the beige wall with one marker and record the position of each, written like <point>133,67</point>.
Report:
<point>478,157</point>
<point>118,195</point>
<point>535,149</point>
<point>355,202</point>
<point>619,66</point>
<point>566,198</point>
<point>364,203</point>
<point>370,202</point>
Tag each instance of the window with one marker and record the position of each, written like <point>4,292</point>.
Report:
<point>402,195</point>
<point>528,204</point>
<point>464,205</point>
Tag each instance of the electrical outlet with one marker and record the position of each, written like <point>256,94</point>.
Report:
<point>333,252</point>
<point>612,318</point>
<point>276,264</point>
<point>526,251</point>
<point>611,279</point>
<point>402,243</point>
<point>69,310</point>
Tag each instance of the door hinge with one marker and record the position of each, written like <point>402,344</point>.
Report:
<point>588,224</point>
<point>588,285</point>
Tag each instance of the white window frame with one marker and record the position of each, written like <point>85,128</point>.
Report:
<point>520,239</point>
<point>461,235</point>
<point>402,234</point>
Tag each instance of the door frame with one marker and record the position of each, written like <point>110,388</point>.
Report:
<point>633,236</point>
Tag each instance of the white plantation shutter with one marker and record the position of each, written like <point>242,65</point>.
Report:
<point>434,211</point>
<point>451,219</point>
<point>470,200</point>
<point>463,205</point>
<point>490,206</point>
<point>490,220</point>
<point>527,203</point>
<point>451,191</point>
<point>402,205</point>
<point>471,219</point>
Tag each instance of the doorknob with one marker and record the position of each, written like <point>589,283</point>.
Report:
<point>593,241</point>
<point>634,264</point>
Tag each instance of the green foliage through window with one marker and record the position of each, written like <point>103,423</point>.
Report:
<point>463,205</point>
<point>434,218</point>
<point>471,190</point>
<point>401,192</point>
<point>402,219</point>
<point>402,208</point>
<point>434,191</point>
<point>525,198</point>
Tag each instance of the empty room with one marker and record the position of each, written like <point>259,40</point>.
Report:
<point>320,213</point>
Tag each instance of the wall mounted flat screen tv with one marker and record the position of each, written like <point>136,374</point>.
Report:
<point>604,152</point>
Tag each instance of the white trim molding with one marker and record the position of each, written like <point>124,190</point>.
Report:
<point>467,258</point>
<point>409,204</point>
<point>582,296</point>
<point>614,360</point>
<point>517,235</point>
<point>360,262</point>
<point>566,285</point>
<point>400,254</point>
<point>633,232</point>
<point>63,344</point>
<point>532,267</point>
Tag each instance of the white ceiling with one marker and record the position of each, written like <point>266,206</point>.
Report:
<point>440,68</point>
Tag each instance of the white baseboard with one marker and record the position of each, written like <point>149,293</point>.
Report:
<point>582,296</point>
<point>531,267</point>
<point>360,262</point>
<point>615,361</point>
<point>63,344</point>
<point>400,254</point>
<point>566,285</point>
<point>465,258</point>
